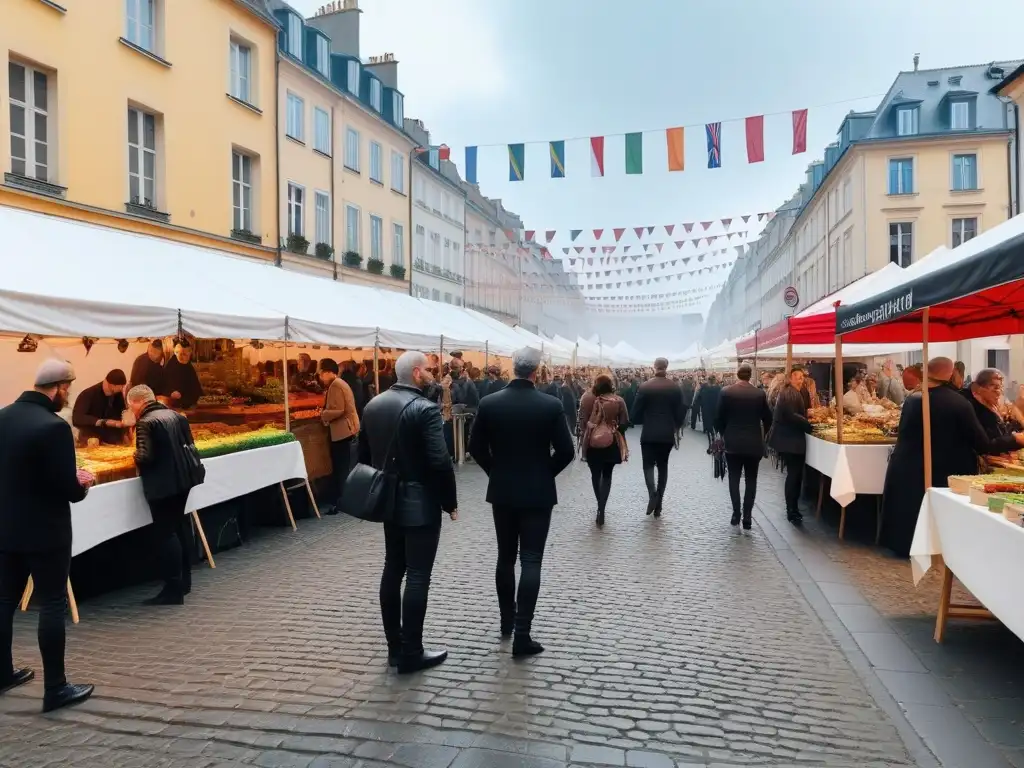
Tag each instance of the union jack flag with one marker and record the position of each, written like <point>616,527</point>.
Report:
<point>714,131</point>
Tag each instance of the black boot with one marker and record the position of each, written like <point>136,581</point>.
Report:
<point>18,677</point>
<point>523,645</point>
<point>171,594</point>
<point>508,621</point>
<point>735,518</point>
<point>417,662</point>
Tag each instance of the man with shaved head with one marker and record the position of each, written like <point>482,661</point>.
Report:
<point>659,408</point>
<point>957,441</point>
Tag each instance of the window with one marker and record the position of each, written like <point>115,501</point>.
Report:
<point>964,230</point>
<point>353,76</point>
<point>398,108</point>
<point>294,31</point>
<point>434,257</point>
<point>960,115</point>
<point>241,191</point>
<point>446,258</point>
<point>901,176</point>
<point>419,244</point>
<point>965,172</point>
<point>142,158</point>
<point>420,190</point>
<point>323,56</point>
<point>435,295</point>
<point>296,203</point>
<point>241,71</point>
<point>447,298</point>
<point>848,256</point>
<point>351,228</point>
<point>901,243</point>
<point>375,94</point>
<point>847,196</point>
<point>376,163</point>
<point>321,131</point>
<point>30,121</point>
<point>295,127</point>
<point>398,171</point>
<point>323,217</point>
<point>398,245</point>
<point>140,16</point>
<point>376,238</point>
<point>906,121</point>
<point>457,266</point>
<point>352,149</point>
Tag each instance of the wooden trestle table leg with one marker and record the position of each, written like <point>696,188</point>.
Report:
<point>312,500</point>
<point>288,507</point>
<point>202,538</point>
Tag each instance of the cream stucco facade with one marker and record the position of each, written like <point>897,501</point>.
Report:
<point>129,122</point>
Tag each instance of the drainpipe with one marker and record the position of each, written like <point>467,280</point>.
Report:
<point>277,151</point>
<point>334,204</point>
<point>1015,199</point>
<point>412,231</point>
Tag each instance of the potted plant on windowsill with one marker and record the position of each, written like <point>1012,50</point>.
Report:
<point>376,266</point>
<point>353,259</point>
<point>246,235</point>
<point>298,244</point>
<point>398,271</point>
<point>324,252</point>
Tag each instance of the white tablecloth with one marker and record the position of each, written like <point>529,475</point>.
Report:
<point>119,507</point>
<point>853,468</point>
<point>983,549</point>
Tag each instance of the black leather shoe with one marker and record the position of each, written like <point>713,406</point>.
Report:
<point>425,660</point>
<point>524,646</point>
<point>747,523</point>
<point>166,597</point>
<point>735,519</point>
<point>600,519</point>
<point>506,627</point>
<point>20,677</point>
<point>65,696</point>
<point>392,661</point>
<point>652,504</point>
<point>796,518</point>
<point>657,509</point>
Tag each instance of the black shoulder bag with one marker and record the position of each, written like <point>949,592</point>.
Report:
<point>369,493</point>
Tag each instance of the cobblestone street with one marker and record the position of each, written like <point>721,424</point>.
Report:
<point>672,642</point>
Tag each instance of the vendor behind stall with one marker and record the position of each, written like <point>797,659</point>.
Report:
<point>148,367</point>
<point>181,382</point>
<point>99,409</point>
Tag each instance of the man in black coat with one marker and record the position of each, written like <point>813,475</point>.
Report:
<point>39,482</point>
<point>743,420</point>
<point>705,404</point>
<point>403,425</point>
<point>170,468</point>
<point>688,388</point>
<point>521,440</point>
<point>99,409</point>
<point>659,408</point>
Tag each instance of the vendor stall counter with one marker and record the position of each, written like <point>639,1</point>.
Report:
<point>854,469</point>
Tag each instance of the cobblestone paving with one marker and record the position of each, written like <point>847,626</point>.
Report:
<point>676,642</point>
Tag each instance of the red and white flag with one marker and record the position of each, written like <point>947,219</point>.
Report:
<point>597,156</point>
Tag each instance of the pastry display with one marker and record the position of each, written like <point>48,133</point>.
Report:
<point>877,425</point>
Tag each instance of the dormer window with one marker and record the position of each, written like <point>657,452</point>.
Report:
<point>960,115</point>
<point>376,94</point>
<point>295,36</point>
<point>323,56</point>
<point>398,108</point>
<point>906,121</point>
<point>353,77</point>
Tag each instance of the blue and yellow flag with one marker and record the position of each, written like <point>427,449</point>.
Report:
<point>558,159</point>
<point>516,162</point>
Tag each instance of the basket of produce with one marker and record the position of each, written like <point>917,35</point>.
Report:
<point>316,448</point>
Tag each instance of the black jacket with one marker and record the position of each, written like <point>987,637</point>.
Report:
<point>38,477</point>
<point>358,393</point>
<point>145,371</point>
<point>512,440</point>
<point>163,453</point>
<point>687,388</point>
<point>789,423</point>
<point>426,477</point>
<point>183,379</point>
<point>743,419</point>
<point>705,404</point>
<point>93,405</point>
<point>659,407</point>
<point>569,404</point>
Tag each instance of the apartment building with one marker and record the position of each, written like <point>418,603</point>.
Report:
<point>493,279</point>
<point>344,155</point>
<point>143,115</point>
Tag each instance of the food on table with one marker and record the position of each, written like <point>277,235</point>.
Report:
<point>306,413</point>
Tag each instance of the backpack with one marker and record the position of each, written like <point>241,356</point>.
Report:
<point>602,434</point>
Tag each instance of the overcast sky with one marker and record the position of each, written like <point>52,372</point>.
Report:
<point>482,72</point>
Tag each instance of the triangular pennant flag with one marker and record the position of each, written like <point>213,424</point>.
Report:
<point>729,236</point>
<point>509,234</point>
<point>674,262</point>
<point>578,248</point>
<point>706,225</point>
<point>680,244</point>
<point>593,249</point>
<point>696,243</point>
<point>726,223</point>
<point>659,246</point>
<point>574,233</point>
<point>686,260</point>
<point>688,228</point>
<point>625,248</point>
<point>598,233</point>
<point>590,263</point>
<point>549,235</point>
<point>572,262</point>
<point>760,216</point>
<point>646,246</point>
<point>639,231</point>
<point>712,239</point>
<point>669,228</point>
<point>650,230</point>
<point>608,249</point>
<point>746,218</point>
<point>529,235</point>
<point>565,251</point>
<point>618,233</point>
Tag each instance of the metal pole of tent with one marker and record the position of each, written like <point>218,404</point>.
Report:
<point>926,408</point>
<point>838,376</point>
<point>789,356</point>
<point>287,406</point>
<point>487,356</point>
<point>376,363</point>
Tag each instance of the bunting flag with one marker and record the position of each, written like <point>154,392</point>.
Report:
<point>598,233</point>
<point>799,131</point>
<point>726,223</point>
<point>529,235</point>
<point>471,153</point>
<point>706,225</point>
<point>669,228</point>
<point>516,161</point>
<point>574,233</point>
<point>755,139</point>
<point>714,132</point>
<point>597,156</point>
<point>618,232</point>
<point>549,235</point>
<point>639,232</point>
<point>675,139</point>
<point>634,153</point>
<point>558,159</point>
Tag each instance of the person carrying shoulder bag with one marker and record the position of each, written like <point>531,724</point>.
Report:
<point>604,442</point>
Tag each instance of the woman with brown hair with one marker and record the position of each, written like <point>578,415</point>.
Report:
<point>603,444</point>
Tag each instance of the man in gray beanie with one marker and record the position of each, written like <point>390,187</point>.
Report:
<point>39,482</point>
<point>521,440</point>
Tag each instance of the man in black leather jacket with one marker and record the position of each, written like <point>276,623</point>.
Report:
<point>406,426</point>
<point>169,469</point>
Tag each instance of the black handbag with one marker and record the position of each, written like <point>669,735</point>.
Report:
<point>369,493</point>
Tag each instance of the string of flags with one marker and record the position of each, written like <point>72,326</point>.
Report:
<point>617,233</point>
<point>633,149</point>
<point>638,281</point>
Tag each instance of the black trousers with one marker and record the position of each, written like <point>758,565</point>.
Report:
<point>173,542</point>
<point>747,465</point>
<point>341,463</point>
<point>601,480</point>
<point>408,553</point>
<point>49,571</point>
<point>656,455</point>
<point>522,531</point>
<point>794,480</point>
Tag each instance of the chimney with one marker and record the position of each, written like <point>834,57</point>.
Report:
<point>339,20</point>
<point>917,60</point>
<point>385,67</point>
